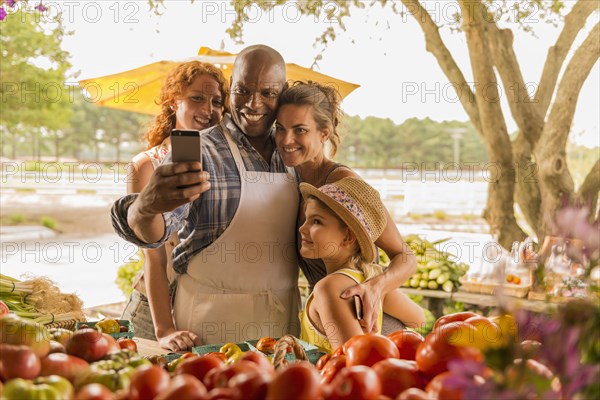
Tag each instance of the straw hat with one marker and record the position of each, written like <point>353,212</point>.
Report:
<point>357,204</point>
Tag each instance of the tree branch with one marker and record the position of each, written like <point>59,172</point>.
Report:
<point>588,191</point>
<point>556,183</point>
<point>435,45</point>
<point>574,22</point>
<point>522,107</point>
<point>558,126</point>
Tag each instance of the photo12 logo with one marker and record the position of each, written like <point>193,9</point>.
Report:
<point>73,11</point>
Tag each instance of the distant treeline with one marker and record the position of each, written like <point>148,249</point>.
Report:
<point>380,143</point>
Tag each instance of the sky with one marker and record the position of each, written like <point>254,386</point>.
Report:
<point>383,52</point>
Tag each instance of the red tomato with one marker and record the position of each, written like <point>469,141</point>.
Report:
<point>266,345</point>
<point>369,349</point>
<point>223,394</point>
<point>296,381</point>
<point>3,308</point>
<point>407,342</point>
<point>322,361</point>
<point>89,344</point>
<point>126,343</point>
<point>18,362</point>
<point>332,367</point>
<point>338,352</point>
<point>356,382</point>
<point>225,373</point>
<point>438,389</point>
<point>397,375</point>
<point>147,382</point>
<point>251,385</point>
<point>56,347</point>
<point>218,354</point>
<point>184,386</point>
<point>94,391</point>
<point>198,366</point>
<point>64,365</point>
<point>434,353</point>
<point>346,345</point>
<point>460,316</point>
<point>259,359</point>
<point>413,394</point>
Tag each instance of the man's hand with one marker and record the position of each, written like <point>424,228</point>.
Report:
<point>171,186</point>
<point>370,296</point>
<point>179,340</point>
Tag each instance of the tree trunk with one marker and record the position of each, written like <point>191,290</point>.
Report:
<point>527,191</point>
<point>499,211</point>
<point>587,195</point>
<point>556,184</point>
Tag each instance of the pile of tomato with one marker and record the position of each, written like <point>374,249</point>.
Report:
<point>402,365</point>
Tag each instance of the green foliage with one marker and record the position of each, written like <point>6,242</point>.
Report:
<point>15,219</point>
<point>580,159</point>
<point>429,321</point>
<point>452,306</point>
<point>127,272</point>
<point>379,143</point>
<point>34,69</point>
<point>48,222</point>
<point>35,102</point>
<point>116,126</point>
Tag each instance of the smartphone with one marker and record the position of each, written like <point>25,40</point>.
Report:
<point>186,145</point>
<point>358,307</point>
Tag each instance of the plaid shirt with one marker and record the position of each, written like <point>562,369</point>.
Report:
<point>201,222</point>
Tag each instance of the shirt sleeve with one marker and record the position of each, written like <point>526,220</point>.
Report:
<point>121,227</point>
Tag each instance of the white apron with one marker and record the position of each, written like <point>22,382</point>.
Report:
<point>245,285</point>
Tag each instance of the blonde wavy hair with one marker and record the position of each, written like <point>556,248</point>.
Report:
<point>325,102</point>
<point>368,269</point>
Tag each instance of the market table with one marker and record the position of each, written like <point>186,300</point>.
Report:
<point>435,299</point>
<point>148,347</point>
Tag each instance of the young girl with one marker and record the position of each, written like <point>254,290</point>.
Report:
<point>342,221</point>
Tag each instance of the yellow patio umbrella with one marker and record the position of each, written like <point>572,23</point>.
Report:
<point>138,89</point>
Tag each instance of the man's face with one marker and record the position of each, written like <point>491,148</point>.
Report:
<point>255,90</point>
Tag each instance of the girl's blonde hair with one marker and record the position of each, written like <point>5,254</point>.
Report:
<point>176,82</point>
<point>325,102</point>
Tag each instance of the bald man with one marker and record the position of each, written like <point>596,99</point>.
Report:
<point>235,215</point>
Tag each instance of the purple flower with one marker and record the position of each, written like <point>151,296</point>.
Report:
<point>2,13</point>
<point>11,3</point>
<point>40,7</point>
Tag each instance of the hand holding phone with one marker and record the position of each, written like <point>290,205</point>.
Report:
<point>186,145</point>
<point>358,307</point>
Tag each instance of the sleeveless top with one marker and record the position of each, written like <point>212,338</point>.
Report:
<point>314,269</point>
<point>309,333</point>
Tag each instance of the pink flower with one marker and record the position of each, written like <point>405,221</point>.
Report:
<point>41,8</point>
<point>11,3</point>
<point>2,13</point>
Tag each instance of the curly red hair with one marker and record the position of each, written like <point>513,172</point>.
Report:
<point>177,80</point>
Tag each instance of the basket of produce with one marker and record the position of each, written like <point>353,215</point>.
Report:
<point>473,286</point>
<point>435,269</point>
<point>117,328</point>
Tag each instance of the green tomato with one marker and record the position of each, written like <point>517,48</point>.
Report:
<point>51,387</point>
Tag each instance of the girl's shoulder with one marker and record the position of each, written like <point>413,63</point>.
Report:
<point>337,282</point>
